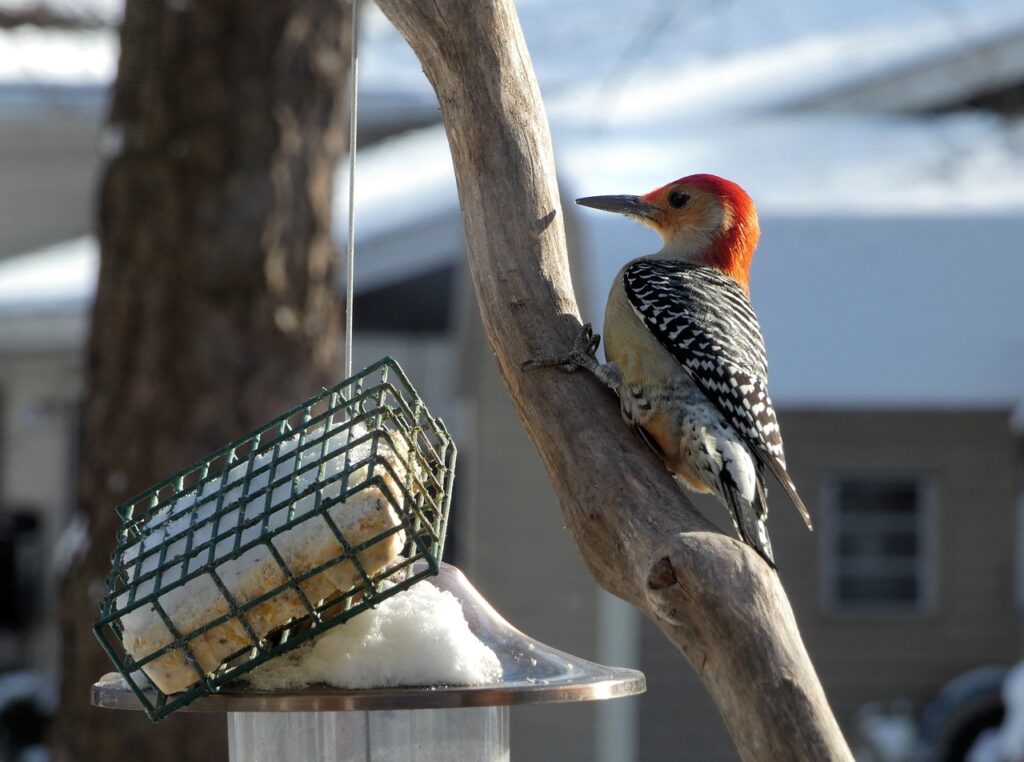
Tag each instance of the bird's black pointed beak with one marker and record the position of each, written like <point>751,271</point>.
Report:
<point>631,205</point>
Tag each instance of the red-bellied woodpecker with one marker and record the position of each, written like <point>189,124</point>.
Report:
<point>684,348</point>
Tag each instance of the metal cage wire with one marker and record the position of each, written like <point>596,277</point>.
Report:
<point>370,432</point>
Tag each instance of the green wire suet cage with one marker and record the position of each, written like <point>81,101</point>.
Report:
<point>295,528</point>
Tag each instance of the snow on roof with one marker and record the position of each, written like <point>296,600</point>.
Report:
<point>33,56</point>
<point>57,278</point>
<point>1017,421</point>
<point>45,297</point>
<point>406,207</point>
<point>889,243</point>
<point>783,70</point>
<point>888,246</point>
<point>942,79</point>
<point>105,11</point>
<point>634,63</point>
<point>816,163</point>
<point>739,54</point>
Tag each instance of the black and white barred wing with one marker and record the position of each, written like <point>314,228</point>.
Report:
<point>705,320</point>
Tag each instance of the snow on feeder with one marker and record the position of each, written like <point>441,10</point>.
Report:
<point>293,529</point>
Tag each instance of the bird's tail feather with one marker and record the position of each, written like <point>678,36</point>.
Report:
<point>751,521</point>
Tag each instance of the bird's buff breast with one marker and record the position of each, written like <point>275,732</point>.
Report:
<point>633,348</point>
<point>656,393</point>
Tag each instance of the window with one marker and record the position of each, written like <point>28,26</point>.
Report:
<point>877,545</point>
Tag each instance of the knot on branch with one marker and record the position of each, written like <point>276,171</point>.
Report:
<point>662,574</point>
<point>706,576</point>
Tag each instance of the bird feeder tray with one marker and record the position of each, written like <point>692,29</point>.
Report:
<point>297,527</point>
<point>469,723</point>
<point>532,672</point>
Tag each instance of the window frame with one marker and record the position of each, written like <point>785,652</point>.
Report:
<point>927,533</point>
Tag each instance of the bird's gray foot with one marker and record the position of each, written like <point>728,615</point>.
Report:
<point>582,355</point>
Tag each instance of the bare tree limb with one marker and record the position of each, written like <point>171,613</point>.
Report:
<point>713,597</point>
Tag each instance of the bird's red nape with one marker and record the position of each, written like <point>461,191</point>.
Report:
<point>732,249</point>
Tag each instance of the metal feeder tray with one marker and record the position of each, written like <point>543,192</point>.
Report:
<point>321,453</point>
<point>468,723</point>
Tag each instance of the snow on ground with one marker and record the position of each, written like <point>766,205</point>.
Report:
<point>890,734</point>
<point>1006,743</point>
<point>417,637</point>
<point>1012,731</point>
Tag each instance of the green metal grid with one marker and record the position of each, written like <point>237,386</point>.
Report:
<point>320,453</point>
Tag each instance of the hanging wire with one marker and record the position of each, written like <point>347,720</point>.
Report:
<point>351,249</point>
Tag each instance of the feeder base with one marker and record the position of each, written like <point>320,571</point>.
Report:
<point>477,734</point>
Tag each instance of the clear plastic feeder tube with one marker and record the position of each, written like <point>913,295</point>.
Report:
<point>477,734</point>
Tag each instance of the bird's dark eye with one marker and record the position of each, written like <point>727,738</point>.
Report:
<point>678,199</point>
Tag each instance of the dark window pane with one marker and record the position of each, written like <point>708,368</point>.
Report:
<point>421,304</point>
<point>878,589</point>
<point>883,545</point>
<point>860,544</point>
<point>900,545</point>
<point>883,496</point>
<point>877,543</point>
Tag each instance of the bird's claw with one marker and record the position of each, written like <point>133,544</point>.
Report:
<point>581,356</point>
<point>587,341</point>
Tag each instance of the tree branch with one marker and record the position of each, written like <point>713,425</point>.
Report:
<point>712,596</point>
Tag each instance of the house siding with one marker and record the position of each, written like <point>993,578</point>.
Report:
<point>49,166</point>
<point>971,459</point>
<point>521,558</point>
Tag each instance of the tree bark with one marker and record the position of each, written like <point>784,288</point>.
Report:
<point>216,306</point>
<point>712,596</point>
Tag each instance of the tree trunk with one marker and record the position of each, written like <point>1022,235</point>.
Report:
<point>216,306</point>
<point>712,596</point>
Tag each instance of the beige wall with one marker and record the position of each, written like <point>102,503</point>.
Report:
<point>521,558</point>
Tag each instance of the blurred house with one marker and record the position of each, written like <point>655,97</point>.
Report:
<point>885,154</point>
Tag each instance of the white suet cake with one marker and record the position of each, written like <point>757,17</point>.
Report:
<point>303,547</point>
